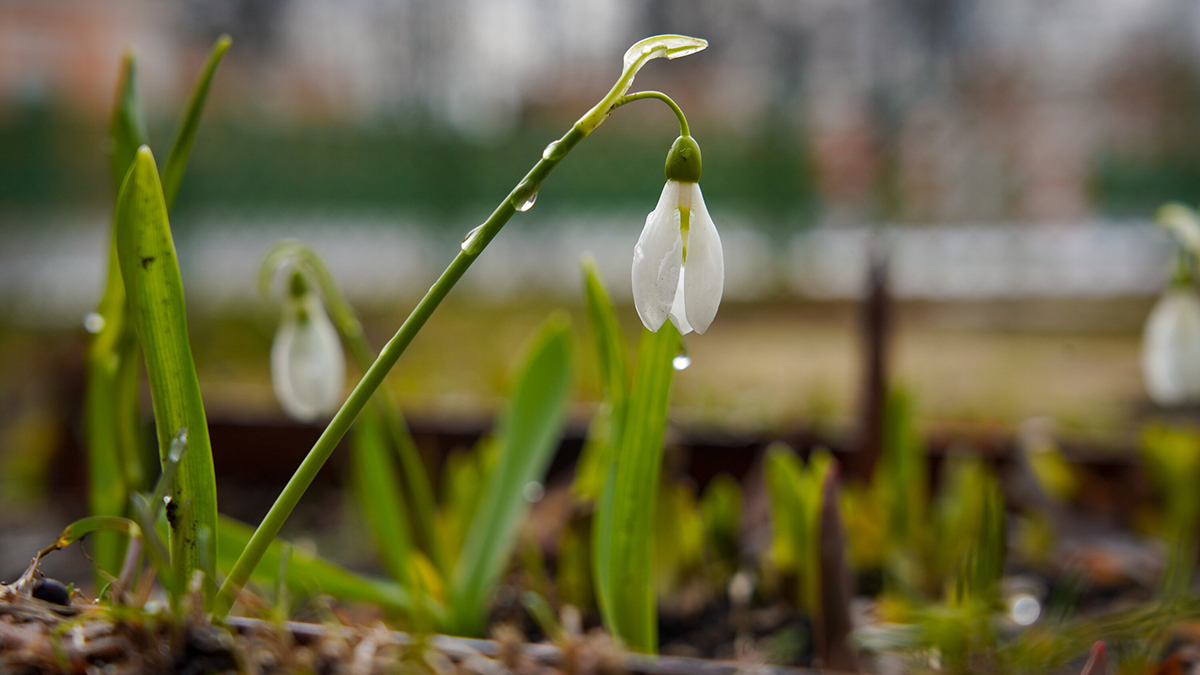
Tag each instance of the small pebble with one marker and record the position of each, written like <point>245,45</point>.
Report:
<point>52,591</point>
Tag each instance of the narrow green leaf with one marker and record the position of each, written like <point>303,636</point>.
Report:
<point>462,474</point>
<point>85,526</point>
<point>901,476</point>
<point>147,516</point>
<point>625,548</point>
<point>721,513</point>
<point>110,409</point>
<point>378,491</point>
<point>782,473</point>
<point>796,492</point>
<point>181,149</point>
<point>150,270</point>
<point>544,615</point>
<point>596,468</point>
<point>127,131</point>
<point>528,437</point>
<point>592,470</point>
<point>307,572</point>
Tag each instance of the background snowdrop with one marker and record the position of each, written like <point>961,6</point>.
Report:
<point>1171,341</point>
<point>307,366</point>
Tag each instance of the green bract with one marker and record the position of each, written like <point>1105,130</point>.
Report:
<point>658,46</point>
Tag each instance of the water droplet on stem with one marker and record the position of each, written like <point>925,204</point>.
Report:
<point>468,242</point>
<point>528,203</point>
<point>553,151</point>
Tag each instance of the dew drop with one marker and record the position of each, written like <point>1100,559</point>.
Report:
<point>528,203</point>
<point>1024,609</point>
<point>93,323</point>
<point>533,492</point>
<point>551,151</point>
<point>681,360</point>
<point>179,445</point>
<point>468,242</point>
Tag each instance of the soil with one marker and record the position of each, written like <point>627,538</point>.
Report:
<point>40,637</point>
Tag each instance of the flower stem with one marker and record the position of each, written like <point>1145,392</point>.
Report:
<point>683,124</point>
<point>371,380</point>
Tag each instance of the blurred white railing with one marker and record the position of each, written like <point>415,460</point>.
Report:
<point>51,275</point>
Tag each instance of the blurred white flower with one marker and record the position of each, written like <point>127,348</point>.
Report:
<point>308,369</point>
<point>678,265</point>
<point>1171,348</point>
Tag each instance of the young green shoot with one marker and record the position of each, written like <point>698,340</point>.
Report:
<point>111,400</point>
<point>150,270</point>
<point>529,435</point>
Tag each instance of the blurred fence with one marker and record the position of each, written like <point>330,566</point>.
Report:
<point>52,276</point>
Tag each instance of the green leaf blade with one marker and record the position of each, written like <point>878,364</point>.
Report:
<point>181,149</point>
<point>110,409</point>
<point>529,436</point>
<point>150,269</point>
<point>626,516</point>
<point>306,571</point>
<point>592,470</point>
<point>127,131</point>
<point>379,495</point>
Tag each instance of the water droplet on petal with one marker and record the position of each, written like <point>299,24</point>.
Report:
<point>468,242</point>
<point>533,492</point>
<point>93,323</point>
<point>528,203</point>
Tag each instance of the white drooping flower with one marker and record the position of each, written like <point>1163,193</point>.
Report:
<point>308,368</point>
<point>1171,348</point>
<point>678,264</point>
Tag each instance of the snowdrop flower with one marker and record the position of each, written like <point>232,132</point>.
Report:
<point>307,367</point>
<point>1171,342</point>
<point>678,265</point>
<point>1171,348</point>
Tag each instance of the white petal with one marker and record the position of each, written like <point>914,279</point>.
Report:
<point>678,315</point>
<point>657,259</point>
<point>1171,349</point>
<point>705,265</point>
<point>307,366</point>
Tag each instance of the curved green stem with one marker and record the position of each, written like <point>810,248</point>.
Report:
<point>365,389</point>
<point>669,46</point>
<point>683,125</point>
